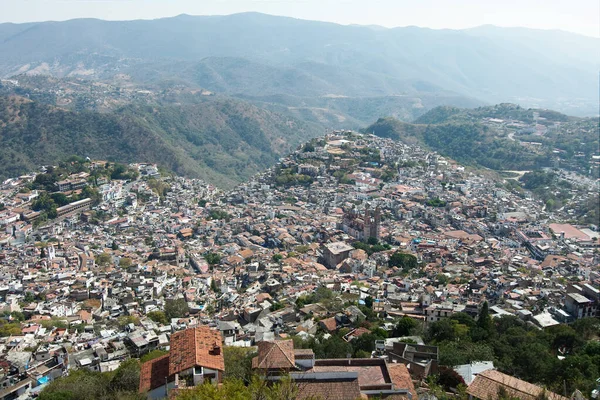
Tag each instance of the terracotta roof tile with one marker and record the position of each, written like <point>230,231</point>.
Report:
<point>277,354</point>
<point>154,373</point>
<point>400,377</point>
<point>329,323</point>
<point>330,390</point>
<point>487,384</point>
<point>196,346</point>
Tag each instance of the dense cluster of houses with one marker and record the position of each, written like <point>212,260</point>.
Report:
<point>78,291</point>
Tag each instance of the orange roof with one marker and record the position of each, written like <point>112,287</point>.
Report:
<point>348,389</point>
<point>488,383</point>
<point>199,346</point>
<point>246,253</point>
<point>278,354</point>
<point>401,378</point>
<point>329,323</point>
<point>154,373</point>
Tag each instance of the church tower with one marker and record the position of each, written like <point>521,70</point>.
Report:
<point>372,223</point>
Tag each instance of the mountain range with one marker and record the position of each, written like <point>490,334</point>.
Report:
<point>259,55</point>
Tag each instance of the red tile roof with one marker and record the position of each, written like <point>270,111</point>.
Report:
<point>201,346</point>
<point>488,383</point>
<point>401,379</point>
<point>277,354</point>
<point>330,390</point>
<point>154,373</point>
<point>329,323</point>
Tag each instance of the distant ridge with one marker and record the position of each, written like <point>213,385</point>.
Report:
<point>549,69</point>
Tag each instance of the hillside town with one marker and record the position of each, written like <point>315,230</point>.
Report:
<point>346,236</point>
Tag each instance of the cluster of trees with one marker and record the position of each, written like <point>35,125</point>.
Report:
<point>458,133</point>
<point>159,187</point>
<point>9,328</point>
<point>122,172</point>
<point>235,389</point>
<point>290,177</point>
<point>121,384</point>
<point>472,143</point>
<point>319,295</point>
<point>176,308</point>
<point>548,187</point>
<point>217,214</point>
<point>521,350</point>
<point>369,155</point>
<point>372,246</point>
<point>403,260</point>
<point>436,202</point>
<point>226,141</point>
<point>588,211</point>
<point>212,258</point>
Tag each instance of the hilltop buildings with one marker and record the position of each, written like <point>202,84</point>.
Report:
<point>149,258</point>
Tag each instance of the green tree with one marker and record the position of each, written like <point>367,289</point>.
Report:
<point>18,315</point>
<point>403,260</point>
<point>484,321</point>
<point>442,330</point>
<point>238,363</point>
<point>366,342</point>
<point>404,326</point>
<point>103,259</point>
<point>212,258</point>
<point>176,308</point>
<point>60,199</point>
<point>126,377</point>
<point>158,317</point>
<point>231,389</point>
<point>79,384</point>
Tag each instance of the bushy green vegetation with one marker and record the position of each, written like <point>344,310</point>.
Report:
<point>121,384</point>
<point>219,214</point>
<point>290,177</point>
<point>402,260</point>
<point>521,350</point>
<point>436,202</point>
<point>176,308</point>
<point>554,192</point>
<point>589,211</point>
<point>159,317</point>
<point>372,246</point>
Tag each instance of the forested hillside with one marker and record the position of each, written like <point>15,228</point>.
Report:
<point>502,137</point>
<point>222,141</point>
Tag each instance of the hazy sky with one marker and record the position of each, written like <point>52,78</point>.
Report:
<point>580,16</point>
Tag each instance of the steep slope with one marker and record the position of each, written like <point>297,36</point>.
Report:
<point>221,141</point>
<point>258,54</point>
